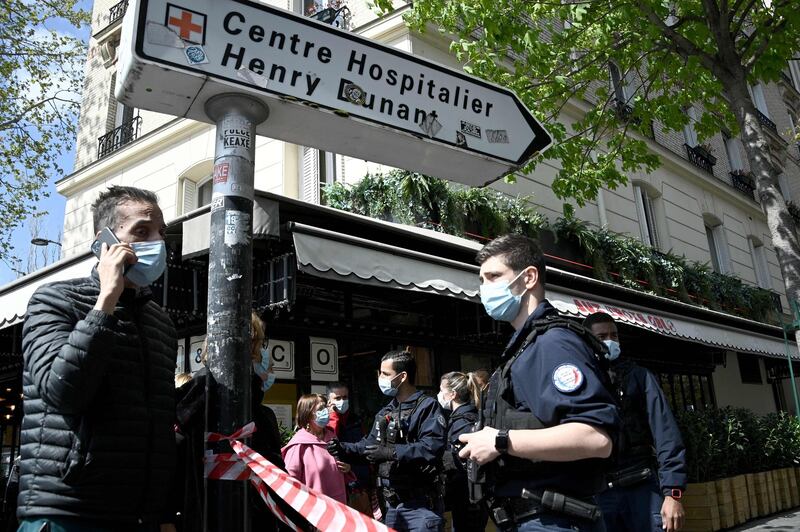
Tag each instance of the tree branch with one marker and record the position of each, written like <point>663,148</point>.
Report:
<point>682,45</point>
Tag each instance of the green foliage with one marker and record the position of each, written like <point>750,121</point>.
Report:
<point>416,199</point>
<point>41,71</point>
<point>286,433</point>
<point>627,261</point>
<point>731,441</point>
<point>530,49</point>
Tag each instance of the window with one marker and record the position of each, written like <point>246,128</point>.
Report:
<point>647,216</point>
<point>195,186</point>
<point>687,392</point>
<point>622,86</point>
<point>717,247</point>
<point>734,155</point>
<point>749,369</point>
<point>689,134</point>
<point>318,169</point>
<point>757,93</point>
<point>760,264</point>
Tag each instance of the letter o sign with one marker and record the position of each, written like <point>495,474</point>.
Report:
<point>324,359</point>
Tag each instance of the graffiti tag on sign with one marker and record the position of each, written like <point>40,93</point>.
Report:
<point>221,173</point>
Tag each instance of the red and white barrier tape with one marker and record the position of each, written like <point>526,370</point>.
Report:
<point>318,509</point>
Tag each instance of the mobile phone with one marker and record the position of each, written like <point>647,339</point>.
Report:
<point>106,236</point>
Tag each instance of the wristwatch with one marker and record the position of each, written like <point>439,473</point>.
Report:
<point>675,493</point>
<point>501,441</point>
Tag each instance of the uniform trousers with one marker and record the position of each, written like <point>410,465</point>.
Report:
<point>634,508</point>
<point>414,516</point>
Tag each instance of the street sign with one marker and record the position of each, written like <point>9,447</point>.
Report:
<point>325,88</point>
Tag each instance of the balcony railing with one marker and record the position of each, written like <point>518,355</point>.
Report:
<point>117,11</point>
<point>743,182</point>
<point>766,122</point>
<point>118,137</point>
<point>701,158</point>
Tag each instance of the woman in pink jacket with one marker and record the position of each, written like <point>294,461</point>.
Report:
<point>306,455</point>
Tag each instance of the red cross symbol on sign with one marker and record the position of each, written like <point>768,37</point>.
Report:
<point>188,24</point>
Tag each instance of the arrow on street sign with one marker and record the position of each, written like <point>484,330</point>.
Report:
<point>325,88</point>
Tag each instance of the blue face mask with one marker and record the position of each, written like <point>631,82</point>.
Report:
<point>262,370</point>
<point>268,382</point>
<point>152,261</point>
<point>322,417</point>
<point>498,300</point>
<point>613,349</point>
<point>386,387</point>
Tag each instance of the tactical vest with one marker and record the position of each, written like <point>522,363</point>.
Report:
<point>403,475</point>
<point>500,412</point>
<point>449,465</point>
<point>636,440</point>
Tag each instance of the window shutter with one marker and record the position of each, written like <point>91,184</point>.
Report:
<point>639,198</point>
<point>111,116</point>
<point>651,219</point>
<point>310,177</point>
<point>189,195</point>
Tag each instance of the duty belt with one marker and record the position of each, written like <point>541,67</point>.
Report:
<point>508,511</point>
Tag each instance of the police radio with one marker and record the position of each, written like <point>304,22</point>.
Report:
<point>382,425</point>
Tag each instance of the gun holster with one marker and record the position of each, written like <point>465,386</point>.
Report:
<point>629,477</point>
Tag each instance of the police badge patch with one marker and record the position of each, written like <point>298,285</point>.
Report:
<point>441,420</point>
<point>567,378</point>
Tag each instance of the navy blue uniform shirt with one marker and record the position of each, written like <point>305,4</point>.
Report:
<point>641,385</point>
<point>424,431</point>
<point>558,379</point>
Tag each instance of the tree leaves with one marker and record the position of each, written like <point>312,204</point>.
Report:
<point>40,83</point>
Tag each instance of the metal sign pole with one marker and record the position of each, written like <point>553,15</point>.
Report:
<point>230,282</point>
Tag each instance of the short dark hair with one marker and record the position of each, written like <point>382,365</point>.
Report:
<point>402,361</point>
<point>516,251</point>
<point>104,208</point>
<point>597,317</point>
<point>335,386</point>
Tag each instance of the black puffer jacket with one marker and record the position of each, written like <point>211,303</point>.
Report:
<point>99,403</point>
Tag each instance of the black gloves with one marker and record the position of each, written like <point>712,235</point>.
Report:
<point>380,453</point>
<point>335,448</point>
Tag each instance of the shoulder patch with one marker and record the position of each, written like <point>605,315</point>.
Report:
<point>441,420</point>
<point>567,378</point>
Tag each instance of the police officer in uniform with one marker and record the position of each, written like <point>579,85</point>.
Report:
<point>548,417</point>
<point>459,394</point>
<point>639,499</point>
<point>406,444</point>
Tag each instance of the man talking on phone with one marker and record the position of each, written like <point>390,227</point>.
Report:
<point>97,443</point>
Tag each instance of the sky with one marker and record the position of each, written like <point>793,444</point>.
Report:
<point>53,221</point>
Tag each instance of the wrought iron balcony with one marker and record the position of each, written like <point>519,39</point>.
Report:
<point>766,122</point>
<point>336,15</point>
<point>743,182</point>
<point>701,157</point>
<point>117,11</point>
<point>119,137</point>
